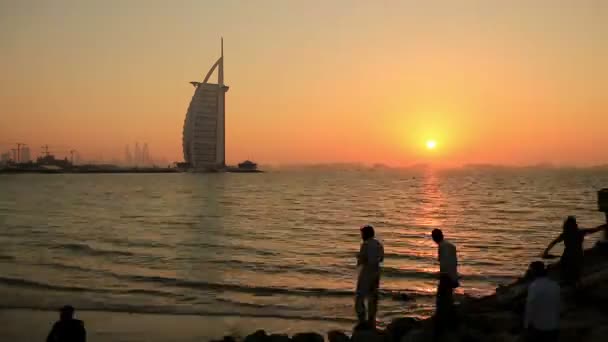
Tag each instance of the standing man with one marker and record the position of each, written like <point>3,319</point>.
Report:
<point>542,306</point>
<point>448,281</point>
<point>67,329</point>
<point>369,258</point>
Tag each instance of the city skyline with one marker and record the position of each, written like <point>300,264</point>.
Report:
<point>346,81</point>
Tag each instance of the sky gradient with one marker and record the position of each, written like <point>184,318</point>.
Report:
<point>505,82</point>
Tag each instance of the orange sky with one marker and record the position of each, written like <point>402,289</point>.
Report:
<point>509,82</point>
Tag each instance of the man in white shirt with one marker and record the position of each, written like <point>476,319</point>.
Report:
<point>542,306</point>
<point>448,281</point>
<point>369,258</point>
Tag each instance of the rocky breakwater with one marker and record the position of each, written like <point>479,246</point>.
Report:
<point>499,317</point>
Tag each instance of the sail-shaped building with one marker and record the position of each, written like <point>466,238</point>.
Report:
<point>204,136</point>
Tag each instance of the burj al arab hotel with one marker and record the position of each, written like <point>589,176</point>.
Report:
<point>204,135</point>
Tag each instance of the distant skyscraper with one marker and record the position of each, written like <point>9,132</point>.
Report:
<point>128,156</point>
<point>204,135</point>
<point>137,157</point>
<point>145,157</point>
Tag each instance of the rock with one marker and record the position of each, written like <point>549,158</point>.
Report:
<point>367,335</point>
<point>418,335</point>
<point>470,336</point>
<point>278,338</point>
<point>225,339</point>
<point>596,335</point>
<point>307,337</point>
<point>399,327</point>
<point>258,336</point>
<point>504,337</point>
<point>337,336</point>
<point>493,322</point>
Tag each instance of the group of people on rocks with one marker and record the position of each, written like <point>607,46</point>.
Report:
<point>541,317</point>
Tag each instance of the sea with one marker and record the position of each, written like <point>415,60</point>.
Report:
<point>280,244</point>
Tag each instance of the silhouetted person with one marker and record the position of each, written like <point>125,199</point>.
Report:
<point>448,281</point>
<point>542,306</point>
<point>67,329</point>
<point>572,259</point>
<point>369,258</point>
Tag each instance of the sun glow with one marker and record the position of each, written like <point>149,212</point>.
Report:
<point>431,144</point>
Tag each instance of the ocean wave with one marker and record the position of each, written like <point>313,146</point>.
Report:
<point>137,243</point>
<point>24,283</point>
<point>276,268</point>
<point>86,249</point>
<point>388,272</point>
<point>164,310</point>
<point>36,285</point>
<point>393,272</point>
<point>269,290</point>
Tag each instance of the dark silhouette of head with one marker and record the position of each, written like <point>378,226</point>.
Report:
<point>437,235</point>
<point>537,269</point>
<point>66,313</point>
<point>367,232</point>
<point>570,225</point>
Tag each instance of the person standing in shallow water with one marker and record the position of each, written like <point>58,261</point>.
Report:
<point>448,281</point>
<point>67,329</point>
<point>371,254</point>
<point>572,260</point>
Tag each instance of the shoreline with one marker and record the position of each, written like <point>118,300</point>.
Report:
<point>496,317</point>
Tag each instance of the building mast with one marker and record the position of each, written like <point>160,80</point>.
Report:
<point>220,74</point>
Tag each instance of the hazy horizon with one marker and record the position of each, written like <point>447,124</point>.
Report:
<point>504,83</point>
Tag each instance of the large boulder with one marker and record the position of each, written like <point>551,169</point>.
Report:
<point>399,327</point>
<point>307,337</point>
<point>337,336</point>
<point>258,336</point>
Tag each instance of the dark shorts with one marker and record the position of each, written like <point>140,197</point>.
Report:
<point>572,267</point>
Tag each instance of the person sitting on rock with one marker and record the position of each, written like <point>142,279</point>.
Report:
<point>67,329</point>
<point>572,259</point>
<point>542,306</point>
<point>371,254</point>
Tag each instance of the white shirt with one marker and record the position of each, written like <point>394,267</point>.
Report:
<point>448,260</point>
<point>371,254</point>
<point>543,305</point>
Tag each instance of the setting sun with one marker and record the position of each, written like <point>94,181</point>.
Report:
<point>431,144</point>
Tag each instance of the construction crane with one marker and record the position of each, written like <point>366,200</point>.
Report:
<point>45,150</point>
